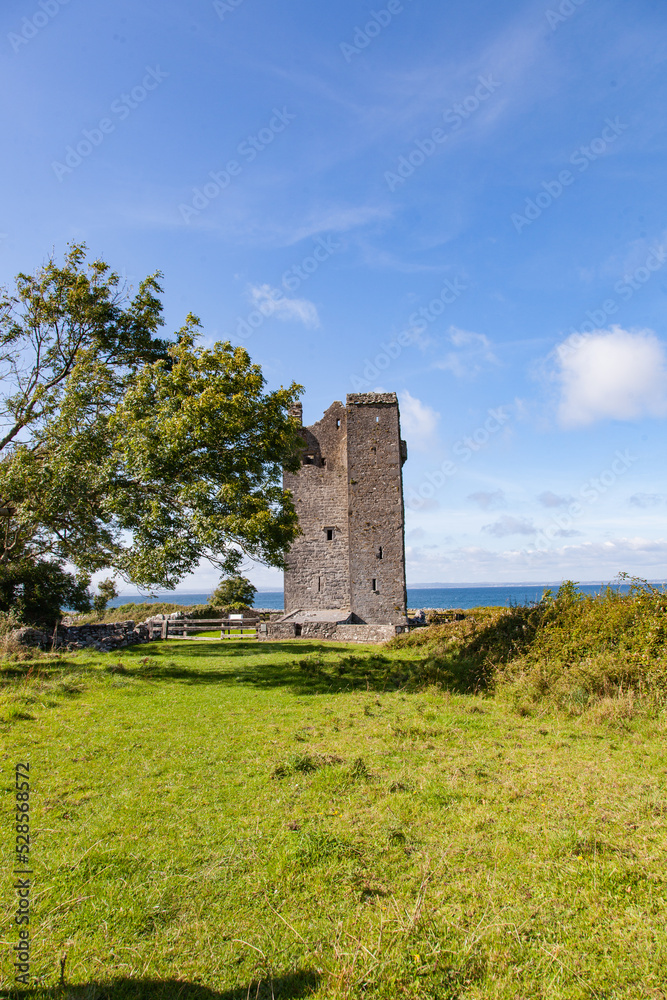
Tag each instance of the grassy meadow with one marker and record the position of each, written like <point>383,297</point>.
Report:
<point>241,820</point>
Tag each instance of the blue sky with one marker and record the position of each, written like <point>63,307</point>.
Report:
<point>465,204</point>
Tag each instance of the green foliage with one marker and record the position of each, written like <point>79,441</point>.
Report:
<point>233,592</point>
<point>36,591</point>
<point>138,612</point>
<point>9,622</point>
<point>126,451</point>
<point>566,642</point>
<point>106,591</point>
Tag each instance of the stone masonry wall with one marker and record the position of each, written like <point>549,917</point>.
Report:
<point>376,508</point>
<point>323,631</point>
<point>104,636</point>
<point>349,498</point>
<point>318,574</point>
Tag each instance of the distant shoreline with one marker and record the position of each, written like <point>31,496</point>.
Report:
<point>166,596</point>
<point>442,597</point>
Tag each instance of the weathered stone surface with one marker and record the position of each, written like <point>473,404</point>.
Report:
<point>276,631</point>
<point>349,498</point>
<point>32,637</point>
<point>104,637</point>
<point>367,633</point>
<point>323,631</point>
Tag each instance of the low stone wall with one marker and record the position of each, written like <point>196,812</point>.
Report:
<point>278,631</point>
<point>103,637</point>
<point>368,633</point>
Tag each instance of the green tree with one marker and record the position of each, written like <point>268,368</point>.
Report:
<point>126,451</point>
<point>106,591</point>
<point>234,590</point>
<point>38,590</point>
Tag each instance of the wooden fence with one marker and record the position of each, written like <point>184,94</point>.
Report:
<point>234,627</point>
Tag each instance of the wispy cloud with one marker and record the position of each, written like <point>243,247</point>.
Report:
<point>508,525</point>
<point>336,219</point>
<point>273,302</point>
<point>488,501</point>
<point>646,500</point>
<point>419,422</point>
<point>473,353</point>
<point>549,499</point>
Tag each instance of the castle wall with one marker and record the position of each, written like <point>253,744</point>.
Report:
<point>318,572</point>
<point>349,498</point>
<point>375,492</point>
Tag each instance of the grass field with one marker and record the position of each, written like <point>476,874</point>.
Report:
<point>239,820</point>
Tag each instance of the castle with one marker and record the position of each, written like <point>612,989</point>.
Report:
<point>348,565</point>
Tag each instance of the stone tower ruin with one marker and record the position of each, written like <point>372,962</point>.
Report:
<point>349,563</point>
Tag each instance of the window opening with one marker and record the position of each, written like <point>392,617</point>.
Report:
<point>375,586</point>
<point>337,424</point>
<point>377,420</point>
<point>319,584</point>
<point>380,553</point>
<point>374,450</point>
<point>330,534</point>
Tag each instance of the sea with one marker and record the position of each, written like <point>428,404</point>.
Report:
<point>500,595</point>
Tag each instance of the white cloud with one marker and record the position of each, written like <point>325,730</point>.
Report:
<point>472,355</point>
<point>273,302</point>
<point>488,501</point>
<point>508,525</point>
<point>612,374</point>
<point>549,499</point>
<point>646,500</point>
<point>418,421</point>
<point>581,561</point>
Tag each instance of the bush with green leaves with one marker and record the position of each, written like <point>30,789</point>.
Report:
<point>106,591</point>
<point>597,644</point>
<point>234,592</point>
<point>37,591</point>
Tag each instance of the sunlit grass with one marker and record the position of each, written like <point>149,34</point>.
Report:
<point>224,819</point>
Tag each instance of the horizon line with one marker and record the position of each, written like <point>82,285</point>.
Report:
<point>422,586</point>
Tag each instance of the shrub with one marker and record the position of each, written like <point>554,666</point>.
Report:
<point>235,592</point>
<point>597,645</point>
